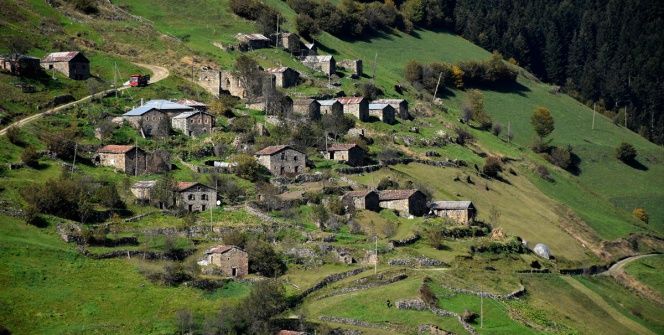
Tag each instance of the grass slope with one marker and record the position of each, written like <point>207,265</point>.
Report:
<point>650,271</point>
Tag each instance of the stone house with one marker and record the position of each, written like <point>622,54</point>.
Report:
<point>383,112</point>
<point>72,64</point>
<point>365,199</point>
<point>230,260</point>
<point>399,105</point>
<point>199,106</point>
<point>282,160</point>
<point>356,106</point>
<point>194,123</point>
<point>142,190</point>
<point>332,106</point>
<point>309,49</point>
<point>232,84</point>
<point>350,153</point>
<point>126,158</point>
<point>291,43</point>
<point>459,211</point>
<point>194,197</point>
<point>20,65</point>
<point>310,108</point>
<point>406,202</point>
<point>210,80</point>
<point>325,64</point>
<point>252,41</point>
<point>352,65</point>
<point>284,76</point>
<point>154,117</point>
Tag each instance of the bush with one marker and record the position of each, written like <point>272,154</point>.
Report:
<point>492,166</point>
<point>264,259</point>
<point>336,206</point>
<point>30,157</point>
<point>14,135</point>
<point>542,122</point>
<point>469,316</point>
<point>306,26</point>
<point>387,183</point>
<point>496,129</point>
<point>543,172</point>
<point>248,168</point>
<point>427,295</point>
<point>85,6</point>
<point>369,91</point>
<point>561,157</point>
<point>641,214</point>
<point>626,152</point>
<point>463,136</point>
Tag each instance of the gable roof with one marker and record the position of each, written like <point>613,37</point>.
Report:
<point>305,101</point>
<point>160,104</point>
<point>387,195</point>
<point>115,149</point>
<point>274,149</point>
<point>144,184</point>
<point>378,106</point>
<point>220,249</point>
<point>390,101</point>
<point>185,185</point>
<point>329,102</point>
<point>278,69</point>
<point>341,146</point>
<point>65,56</point>
<point>190,103</point>
<point>360,193</point>
<point>316,59</point>
<point>351,100</point>
<point>442,205</point>
<point>251,37</point>
<point>185,115</point>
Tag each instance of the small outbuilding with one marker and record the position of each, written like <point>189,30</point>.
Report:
<point>230,260</point>
<point>252,41</point>
<point>354,66</point>
<point>284,76</point>
<point>332,106</point>
<point>153,117</point>
<point>282,160</point>
<point>72,64</point>
<point>20,65</point>
<point>356,106</point>
<point>310,108</point>
<point>194,197</point>
<point>194,123</point>
<point>325,64</point>
<point>400,106</point>
<point>458,211</point>
<point>350,153</point>
<point>383,112</point>
<point>364,199</point>
<point>405,202</point>
<point>126,158</point>
<point>291,43</point>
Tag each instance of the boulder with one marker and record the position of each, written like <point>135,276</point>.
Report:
<point>542,250</point>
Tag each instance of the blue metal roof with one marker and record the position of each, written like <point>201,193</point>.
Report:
<point>164,105</point>
<point>377,106</point>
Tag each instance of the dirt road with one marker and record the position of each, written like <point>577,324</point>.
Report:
<point>158,73</point>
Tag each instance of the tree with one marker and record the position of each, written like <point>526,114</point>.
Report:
<point>264,259</point>
<point>30,156</point>
<point>306,26</point>
<point>413,71</point>
<point>542,122</point>
<point>163,192</point>
<point>185,320</point>
<point>626,152</point>
<point>492,166</point>
<point>247,167</point>
<point>641,214</point>
<point>475,102</point>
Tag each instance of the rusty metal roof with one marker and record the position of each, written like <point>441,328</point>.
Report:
<point>351,100</point>
<point>341,146</point>
<point>60,56</point>
<point>115,149</point>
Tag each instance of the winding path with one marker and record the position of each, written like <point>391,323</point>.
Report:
<point>158,73</point>
<point>620,265</point>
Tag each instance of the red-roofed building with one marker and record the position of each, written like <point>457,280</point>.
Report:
<point>406,202</point>
<point>125,158</point>
<point>356,106</point>
<point>194,197</point>
<point>284,76</point>
<point>282,160</point>
<point>350,153</point>
<point>72,64</point>
<point>228,260</point>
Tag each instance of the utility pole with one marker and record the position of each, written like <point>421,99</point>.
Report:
<point>115,78</point>
<point>376,253</point>
<point>373,78</point>
<point>136,157</point>
<point>625,116</point>
<point>436,91</point>
<point>276,40</point>
<point>75,152</point>
<point>594,112</point>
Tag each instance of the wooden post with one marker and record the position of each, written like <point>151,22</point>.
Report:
<point>436,91</point>
<point>373,78</point>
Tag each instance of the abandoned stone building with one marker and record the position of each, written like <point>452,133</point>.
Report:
<point>197,105</point>
<point>383,112</point>
<point>125,158</point>
<point>142,190</point>
<point>325,64</point>
<point>458,211</point>
<point>284,76</point>
<point>332,106</point>
<point>20,65</point>
<point>354,66</point>
<point>282,160</point>
<point>252,41</point>
<point>356,106</point>
<point>350,153</point>
<point>72,64</point>
<point>193,123</point>
<point>229,260</point>
<point>194,197</point>
<point>405,202</point>
<point>309,108</point>
<point>291,43</point>
<point>309,49</point>
<point>400,106</point>
<point>364,199</point>
<point>154,117</point>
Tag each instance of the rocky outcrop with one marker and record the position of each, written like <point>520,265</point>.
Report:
<point>403,242</point>
<point>417,261</point>
<point>411,304</point>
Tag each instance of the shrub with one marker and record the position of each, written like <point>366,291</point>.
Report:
<point>463,136</point>
<point>30,157</point>
<point>542,122</point>
<point>85,6</point>
<point>248,168</point>
<point>413,71</point>
<point>561,157</point>
<point>264,259</point>
<point>641,214</point>
<point>336,206</point>
<point>475,102</point>
<point>469,316</point>
<point>427,295</point>
<point>543,172</point>
<point>492,166</point>
<point>626,152</point>
<point>369,91</point>
<point>387,183</point>
<point>14,135</point>
<point>389,154</point>
<point>496,129</point>
<point>306,26</point>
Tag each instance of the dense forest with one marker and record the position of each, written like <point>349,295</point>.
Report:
<point>605,52</point>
